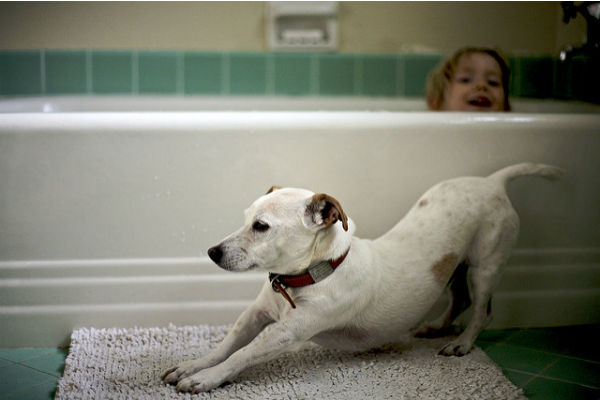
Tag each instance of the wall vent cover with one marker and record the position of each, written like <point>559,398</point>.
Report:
<point>295,25</point>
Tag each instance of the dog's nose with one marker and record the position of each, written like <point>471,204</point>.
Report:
<point>215,254</point>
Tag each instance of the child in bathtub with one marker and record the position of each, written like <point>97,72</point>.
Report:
<point>472,79</point>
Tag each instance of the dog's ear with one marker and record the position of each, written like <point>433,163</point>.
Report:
<point>273,188</point>
<point>323,210</point>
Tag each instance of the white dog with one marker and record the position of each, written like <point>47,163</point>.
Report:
<point>339,291</point>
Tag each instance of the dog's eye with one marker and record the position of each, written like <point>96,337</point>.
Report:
<point>260,227</point>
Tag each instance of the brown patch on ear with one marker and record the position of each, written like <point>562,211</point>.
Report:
<point>273,188</point>
<point>443,268</point>
<point>423,203</point>
<point>330,209</point>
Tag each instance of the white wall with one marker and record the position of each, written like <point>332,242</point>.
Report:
<point>368,27</point>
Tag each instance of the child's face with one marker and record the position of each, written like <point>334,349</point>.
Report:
<point>476,85</point>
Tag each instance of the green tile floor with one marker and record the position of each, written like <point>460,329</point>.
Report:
<point>30,373</point>
<point>550,363</point>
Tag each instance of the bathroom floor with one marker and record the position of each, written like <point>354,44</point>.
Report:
<point>549,363</point>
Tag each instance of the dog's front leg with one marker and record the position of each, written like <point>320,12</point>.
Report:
<point>247,327</point>
<point>279,337</point>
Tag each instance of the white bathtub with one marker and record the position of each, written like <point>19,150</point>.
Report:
<point>247,103</point>
<point>106,210</point>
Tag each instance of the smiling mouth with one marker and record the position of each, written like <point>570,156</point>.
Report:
<point>480,101</point>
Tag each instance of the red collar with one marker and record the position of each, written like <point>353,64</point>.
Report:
<point>315,273</point>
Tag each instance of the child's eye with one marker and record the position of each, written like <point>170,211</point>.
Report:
<point>463,79</point>
<point>493,82</point>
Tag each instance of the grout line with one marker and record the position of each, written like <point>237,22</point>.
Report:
<point>502,342</point>
<point>179,73</point>
<point>269,74</point>
<point>555,77</point>
<point>50,350</point>
<point>493,346</point>
<point>549,353</point>
<point>88,71</point>
<point>314,74</point>
<point>135,72</point>
<point>519,371</point>
<point>38,370</point>
<point>226,75</point>
<point>400,76</point>
<point>358,84</point>
<point>23,389</point>
<point>517,77</point>
<point>517,332</point>
<point>538,376</point>
<point>569,382</point>
<point>43,71</point>
<point>575,358</point>
<point>9,363</point>
<point>528,381</point>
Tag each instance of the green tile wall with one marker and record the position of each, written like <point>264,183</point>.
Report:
<point>535,76</point>
<point>293,74</point>
<point>42,72</point>
<point>337,75</point>
<point>20,72</point>
<point>248,73</point>
<point>381,76</point>
<point>112,72</point>
<point>157,72</point>
<point>416,70</point>
<point>66,72</point>
<point>585,82</point>
<point>204,73</point>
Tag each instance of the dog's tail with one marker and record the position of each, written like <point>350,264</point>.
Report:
<point>509,173</point>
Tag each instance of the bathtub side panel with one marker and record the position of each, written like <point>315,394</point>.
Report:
<point>105,218</point>
<point>73,190</point>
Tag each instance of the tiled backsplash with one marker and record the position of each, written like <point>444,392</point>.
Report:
<point>48,72</point>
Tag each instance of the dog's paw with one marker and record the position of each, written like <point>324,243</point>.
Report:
<point>202,381</point>
<point>456,348</point>
<point>178,372</point>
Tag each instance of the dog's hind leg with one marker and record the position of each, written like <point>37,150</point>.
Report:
<point>482,296</point>
<point>460,300</point>
<point>490,252</point>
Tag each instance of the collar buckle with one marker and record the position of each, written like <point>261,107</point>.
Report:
<point>314,274</point>
<point>275,282</point>
<point>277,286</point>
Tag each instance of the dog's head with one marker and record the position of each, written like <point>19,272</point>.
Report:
<point>281,232</point>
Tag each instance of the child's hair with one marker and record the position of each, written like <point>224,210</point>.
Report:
<point>443,74</point>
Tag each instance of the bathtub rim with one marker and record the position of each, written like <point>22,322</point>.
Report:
<point>254,122</point>
<point>199,103</point>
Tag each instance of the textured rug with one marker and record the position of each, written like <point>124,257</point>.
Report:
<point>127,364</point>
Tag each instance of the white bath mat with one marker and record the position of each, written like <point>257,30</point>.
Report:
<point>127,364</point>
